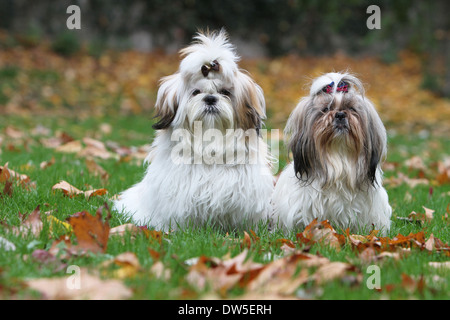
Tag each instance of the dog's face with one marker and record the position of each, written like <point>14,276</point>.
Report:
<point>210,88</point>
<point>210,101</point>
<point>336,128</point>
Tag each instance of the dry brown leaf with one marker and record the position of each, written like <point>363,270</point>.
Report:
<point>331,271</point>
<point>415,162</point>
<point>370,255</point>
<point>322,233</point>
<point>6,245</point>
<point>123,229</point>
<point>7,189</point>
<point>94,168</point>
<point>14,133</point>
<point>67,189</point>
<point>91,288</point>
<point>70,147</point>
<point>282,277</point>
<point>127,264</point>
<point>411,284</point>
<point>94,148</point>
<point>91,231</point>
<point>222,274</point>
<point>159,271</point>
<point>440,265</point>
<point>246,242</point>
<point>31,223</point>
<point>23,180</point>
<point>279,277</point>
<point>430,244</point>
<point>422,217</point>
<point>96,192</point>
<point>46,164</point>
<point>72,191</point>
<point>443,176</point>
<point>402,178</point>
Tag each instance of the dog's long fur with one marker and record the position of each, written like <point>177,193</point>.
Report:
<point>338,142</point>
<point>177,189</point>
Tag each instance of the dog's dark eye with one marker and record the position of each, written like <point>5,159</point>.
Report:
<point>326,109</point>
<point>196,92</point>
<point>225,92</point>
<point>352,109</point>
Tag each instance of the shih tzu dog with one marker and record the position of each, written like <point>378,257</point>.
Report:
<point>338,141</point>
<point>209,163</point>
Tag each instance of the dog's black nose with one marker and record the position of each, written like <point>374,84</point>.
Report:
<point>210,100</point>
<point>340,115</point>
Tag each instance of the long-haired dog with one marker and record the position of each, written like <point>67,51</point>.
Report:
<point>209,163</point>
<point>337,141</point>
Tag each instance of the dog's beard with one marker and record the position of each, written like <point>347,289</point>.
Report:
<point>339,161</point>
<point>212,116</point>
<point>211,131</point>
<point>344,135</point>
<point>333,145</point>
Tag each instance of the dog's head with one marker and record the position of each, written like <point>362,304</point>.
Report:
<point>209,87</point>
<point>336,127</point>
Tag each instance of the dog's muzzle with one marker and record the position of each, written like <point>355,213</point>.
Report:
<point>340,121</point>
<point>210,102</point>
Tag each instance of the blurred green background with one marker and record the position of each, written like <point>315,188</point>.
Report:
<point>260,28</point>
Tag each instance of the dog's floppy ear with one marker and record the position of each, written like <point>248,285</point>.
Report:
<point>167,101</point>
<point>251,105</point>
<point>300,140</point>
<point>376,142</point>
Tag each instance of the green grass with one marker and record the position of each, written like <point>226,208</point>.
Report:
<point>177,247</point>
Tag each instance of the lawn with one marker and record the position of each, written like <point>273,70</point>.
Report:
<point>60,132</point>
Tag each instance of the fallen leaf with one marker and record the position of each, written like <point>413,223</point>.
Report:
<point>91,287</point>
<point>67,189</point>
<point>56,223</point>
<point>7,174</point>
<point>91,231</point>
<point>30,224</point>
<point>246,242</point>
<point>127,263</point>
<point>402,178</point>
<point>440,265</point>
<point>14,133</point>
<point>43,256</point>
<point>415,162</point>
<point>332,271</point>
<point>412,285</point>
<point>160,272</point>
<point>46,164</point>
<point>96,169</point>
<point>94,148</point>
<point>222,274</point>
<point>72,191</point>
<point>70,147</point>
<point>123,229</point>
<point>282,277</point>
<point>422,217</point>
<point>7,189</point>
<point>96,192</point>
<point>443,176</point>
<point>322,233</point>
<point>6,245</point>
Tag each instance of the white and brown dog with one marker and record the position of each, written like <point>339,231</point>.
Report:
<point>208,163</point>
<point>337,141</point>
